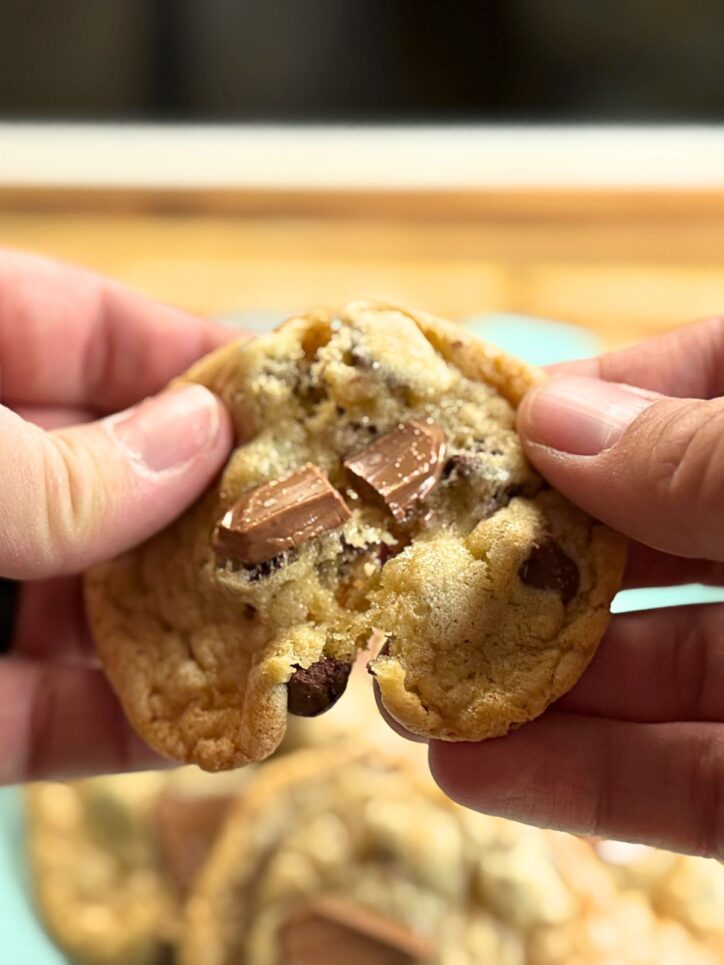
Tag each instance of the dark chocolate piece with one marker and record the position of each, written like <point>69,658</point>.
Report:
<point>549,568</point>
<point>401,467</point>
<point>280,516</point>
<point>314,689</point>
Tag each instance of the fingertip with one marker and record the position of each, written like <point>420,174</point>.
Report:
<point>390,720</point>
<point>184,428</point>
<point>223,440</point>
<point>117,482</point>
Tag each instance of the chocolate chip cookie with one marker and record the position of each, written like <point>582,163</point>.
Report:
<point>377,497</point>
<point>342,856</point>
<point>112,858</point>
<point>98,884</point>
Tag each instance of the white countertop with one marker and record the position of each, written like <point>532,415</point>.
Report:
<point>373,158</point>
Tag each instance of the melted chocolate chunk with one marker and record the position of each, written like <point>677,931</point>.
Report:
<point>549,568</point>
<point>312,690</point>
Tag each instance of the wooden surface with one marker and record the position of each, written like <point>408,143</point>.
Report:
<point>626,265</point>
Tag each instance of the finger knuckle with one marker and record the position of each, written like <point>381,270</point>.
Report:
<point>686,465</point>
<point>706,791</point>
<point>69,506</point>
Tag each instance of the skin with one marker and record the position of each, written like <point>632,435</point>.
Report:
<point>77,488</point>
<point>636,750</point>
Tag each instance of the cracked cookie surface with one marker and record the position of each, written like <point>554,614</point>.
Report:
<point>490,590</point>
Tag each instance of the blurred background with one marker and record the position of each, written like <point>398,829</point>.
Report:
<point>532,60</point>
<point>261,156</point>
<point>550,174</point>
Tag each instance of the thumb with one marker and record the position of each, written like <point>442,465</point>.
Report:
<point>649,466</point>
<point>76,496</point>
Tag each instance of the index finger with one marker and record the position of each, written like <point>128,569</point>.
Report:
<point>687,363</point>
<point>73,338</point>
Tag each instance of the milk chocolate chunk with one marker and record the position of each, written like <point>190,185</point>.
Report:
<point>549,568</point>
<point>280,516</point>
<point>314,689</point>
<point>336,932</point>
<point>401,467</point>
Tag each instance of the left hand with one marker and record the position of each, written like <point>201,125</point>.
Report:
<point>80,485</point>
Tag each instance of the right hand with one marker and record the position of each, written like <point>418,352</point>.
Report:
<point>636,750</point>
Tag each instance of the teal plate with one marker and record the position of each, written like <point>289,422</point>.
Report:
<point>22,940</point>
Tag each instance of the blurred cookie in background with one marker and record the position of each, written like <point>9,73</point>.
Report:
<point>344,853</point>
<point>98,882</point>
<point>624,932</point>
<point>188,815</point>
<point>112,857</point>
<point>341,855</point>
<point>338,851</point>
<point>687,889</point>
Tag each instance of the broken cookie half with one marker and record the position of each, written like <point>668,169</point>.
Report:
<point>377,497</point>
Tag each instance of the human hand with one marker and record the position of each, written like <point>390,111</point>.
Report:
<point>73,348</point>
<point>636,750</point>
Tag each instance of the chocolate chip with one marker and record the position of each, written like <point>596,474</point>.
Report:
<point>549,568</point>
<point>364,426</point>
<point>312,394</point>
<point>312,690</point>
<point>384,553</point>
<point>260,571</point>
<point>462,465</point>
<point>358,356</point>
